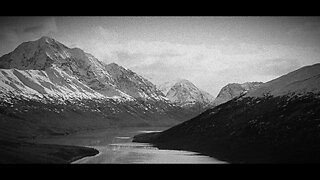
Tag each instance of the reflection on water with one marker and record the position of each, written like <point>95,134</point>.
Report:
<point>116,146</point>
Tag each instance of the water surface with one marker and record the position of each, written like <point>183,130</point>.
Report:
<point>116,146</point>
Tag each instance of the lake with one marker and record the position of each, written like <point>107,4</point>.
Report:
<point>115,146</point>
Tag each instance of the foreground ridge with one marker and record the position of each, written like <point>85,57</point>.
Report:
<point>276,123</point>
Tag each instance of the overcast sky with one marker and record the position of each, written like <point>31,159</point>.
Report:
<point>209,51</point>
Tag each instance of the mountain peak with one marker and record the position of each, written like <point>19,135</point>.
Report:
<point>233,90</point>
<point>46,41</point>
<point>46,38</point>
<point>113,64</point>
<point>182,81</point>
<point>185,84</point>
<point>185,93</point>
<point>35,55</point>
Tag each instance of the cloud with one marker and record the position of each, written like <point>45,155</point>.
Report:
<point>105,33</point>
<point>307,28</point>
<point>278,67</point>
<point>128,57</point>
<point>210,63</point>
<point>208,66</point>
<point>306,33</point>
<point>15,30</point>
<point>241,49</point>
<point>33,28</point>
<point>262,70</point>
<point>36,27</point>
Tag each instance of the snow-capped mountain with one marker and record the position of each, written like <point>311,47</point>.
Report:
<point>233,90</point>
<point>278,122</point>
<point>49,55</point>
<point>185,94</point>
<point>76,91</point>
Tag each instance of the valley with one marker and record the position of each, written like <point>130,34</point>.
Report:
<point>50,90</point>
<point>211,103</point>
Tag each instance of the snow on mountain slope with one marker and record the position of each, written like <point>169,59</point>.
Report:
<point>301,81</point>
<point>233,90</point>
<point>133,84</point>
<point>185,93</point>
<point>109,80</point>
<point>46,52</point>
<point>49,83</point>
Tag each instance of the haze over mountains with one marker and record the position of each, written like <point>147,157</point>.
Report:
<point>45,78</point>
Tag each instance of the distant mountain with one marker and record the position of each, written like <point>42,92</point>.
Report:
<point>233,90</point>
<point>185,94</point>
<point>53,88</point>
<point>166,86</point>
<point>276,123</point>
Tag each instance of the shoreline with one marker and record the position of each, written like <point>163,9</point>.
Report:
<point>82,158</point>
<point>153,137</point>
<point>298,153</point>
<point>39,150</point>
<point>20,152</point>
<point>95,152</point>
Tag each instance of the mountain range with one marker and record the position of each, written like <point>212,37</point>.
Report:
<point>48,85</point>
<point>49,88</point>
<point>58,62</point>
<point>53,89</point>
